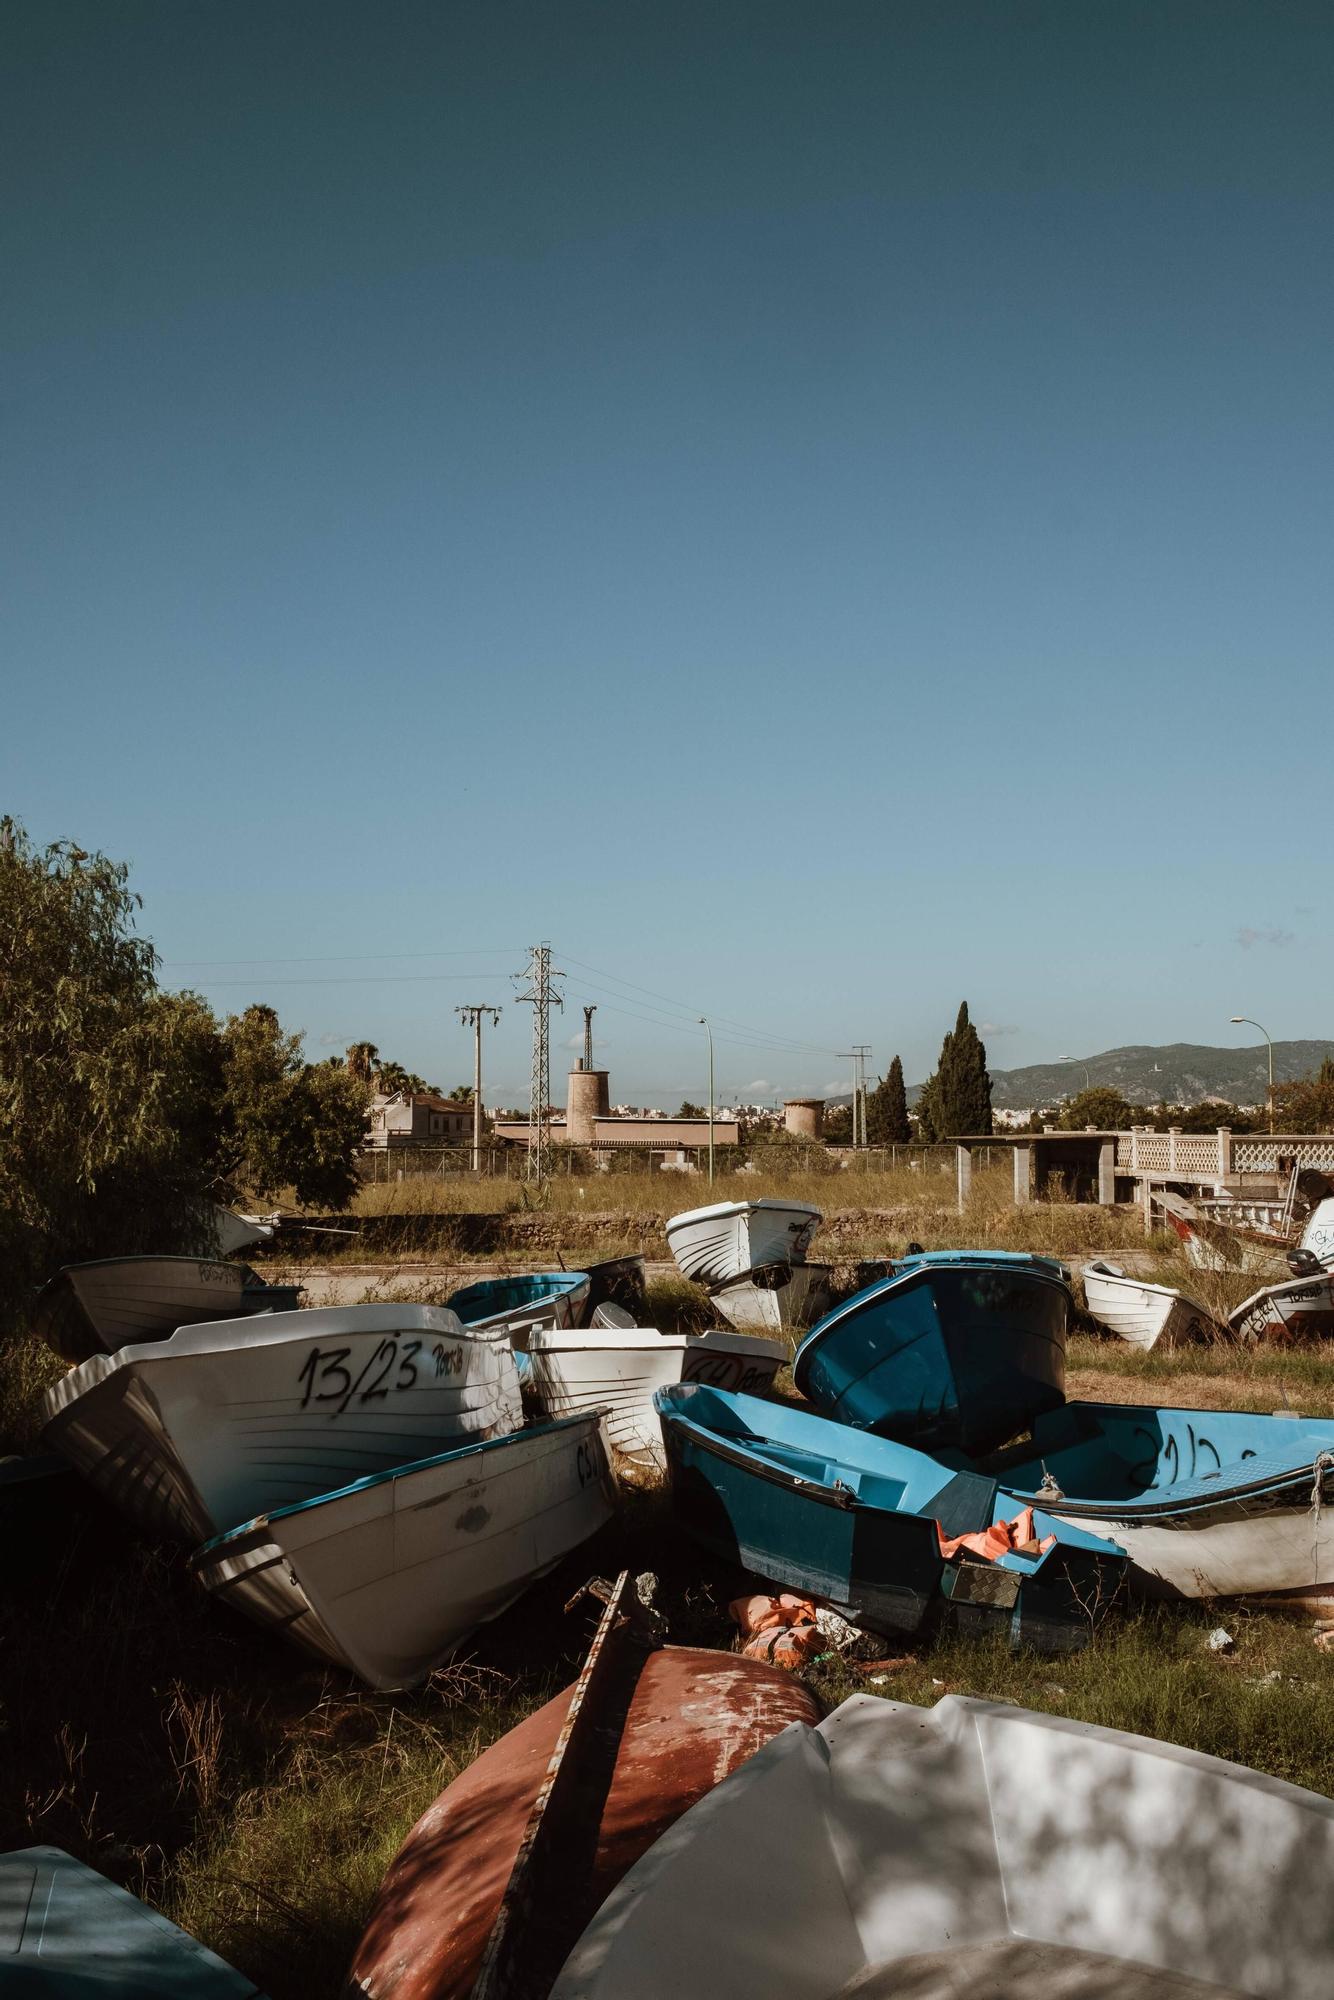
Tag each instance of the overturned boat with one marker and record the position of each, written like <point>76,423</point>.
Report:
<point>499,1877</point>
<point>957,1347</point>
<point>1206,1503</point>
<point>233,1418</point>
<point>116,1302</point>
<point>536,1298</point>
<point>1146,1315</point>
<point>783,1298</point>
<point>729,1239</point>
<point>390,1574</point>
<point>974,1848</point>
<point>68,1933</point>
<point>621,1282</point>
<point>1299,1309</point>
<point>1318,1235</point>
<point>621,1368</point>
<point>866,1523</point>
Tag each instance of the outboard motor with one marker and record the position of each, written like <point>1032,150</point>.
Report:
<point>1304,1264</point>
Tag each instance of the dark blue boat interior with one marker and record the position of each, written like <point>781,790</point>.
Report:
<point>1105,1453</point>
<point>491,1296</point>
<point>957,1348</point>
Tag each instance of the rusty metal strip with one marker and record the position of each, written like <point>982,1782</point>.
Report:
<point>501,1976</point>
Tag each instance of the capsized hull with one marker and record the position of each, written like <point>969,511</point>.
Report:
<point>693,1718</point>
<point>225,1421</point>
<point>851,1517</point>
<point>615,1369</point>
<point>540,1298</point>
<point>68,1933</point>
<point>1146,1315</point>
<point>974,1848</point>
<point>96,1308</point>
<point>389,1576</point>
<point>956,1349</point>
<point>784,1299</point>
<point>617,1281</point>
<point>1299,1310</point>
<point>1206,1503</point>
<point>724,1242</point>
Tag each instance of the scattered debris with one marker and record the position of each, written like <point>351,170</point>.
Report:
<point>1220,1640</point>
<point>780,1629</point>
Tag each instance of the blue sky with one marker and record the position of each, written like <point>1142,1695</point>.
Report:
<point>817,511</point>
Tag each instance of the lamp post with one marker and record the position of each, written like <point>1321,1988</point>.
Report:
<point>1080,1065</point>
<point>709,1032</point>
<point>1244,1020</point>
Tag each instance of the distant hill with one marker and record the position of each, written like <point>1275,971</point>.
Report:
<point>1178,1073</point>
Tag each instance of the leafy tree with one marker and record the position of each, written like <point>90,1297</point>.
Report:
<point>1205,1117</point>
<point>393,1080</point>
<point>887,1109</point>
<point>462,1093</point>
<point>838,1125</point>
<point>1101,1106</point>
<point>362,1058</point>
<point>286,1122</point>
<point>689,1110</point>
<point>98,1152</point>
<point>957,1098</point>
<point>1308,1104</point>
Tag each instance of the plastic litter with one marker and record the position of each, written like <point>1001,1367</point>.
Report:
<point>1220,1640</point>
<point>781,1629</point>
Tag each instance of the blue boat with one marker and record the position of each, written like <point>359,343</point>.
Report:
<point>846,1516</point>
<point>538,1298</point>
<point>956,1348</point>
<point>1206,1503</point>
<point>66,1933</point>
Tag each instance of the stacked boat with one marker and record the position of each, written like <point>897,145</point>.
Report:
<point>750,1256</point>
<point>1146,1315</point>
<point>360,1477</point>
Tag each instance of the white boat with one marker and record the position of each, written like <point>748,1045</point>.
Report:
<point>389,1576</point>
<point>225,1420</point>
<point>797,1296</point>
<point>717,1245</point>
<point>737,1361</point>
<point>115,1302</point>
<point>620,1369</point>
<point>974,1848</point>
<point>1318,1235</point>
<point>1141,1313</point>
<point>1300,1309</point>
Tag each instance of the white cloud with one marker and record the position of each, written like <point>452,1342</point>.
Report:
<point>994,1028</point>
<point>1247,938</point>
<point>759,1083</point>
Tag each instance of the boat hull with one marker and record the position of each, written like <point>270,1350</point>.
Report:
<point>619,1370</point>
<point>693,1717</point>
<point>974,1848</point>
<point>726,1241</point>
<point>1145,1315</point>
<point>225,1421</point>
<point>852,1518</point>
<point>1318,1235</point>
<point>1300,1310</point>
<point>70,1934</point>
<point>739,1362</point>
<point>617,1281</point>
<point>1223,1503</point>
<point>389,1576</point>
<point>954,1350</point>
<point>96,1308</point>
<point>791,1298</point>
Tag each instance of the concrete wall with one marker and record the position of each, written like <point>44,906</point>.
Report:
<point>804,1117</point>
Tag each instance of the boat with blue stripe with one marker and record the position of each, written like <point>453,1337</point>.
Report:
<point>1206,1503</point>
<point>956,1348</point>
<point>534,1298</point>
<point>858,1520</point>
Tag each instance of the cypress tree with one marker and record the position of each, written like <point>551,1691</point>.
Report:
<point>887,1110</point>
<point>959,1094</point>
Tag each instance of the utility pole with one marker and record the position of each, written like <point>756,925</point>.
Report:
<point>709,1032</point>
<point>472,1018</point>
<point>541,996</point>
<point>857,1055</point>
<point>589,1012</point>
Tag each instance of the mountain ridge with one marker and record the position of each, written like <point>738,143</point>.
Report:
<point>1160,1073</point>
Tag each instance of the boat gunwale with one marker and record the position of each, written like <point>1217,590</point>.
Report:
<point>529,1434</point>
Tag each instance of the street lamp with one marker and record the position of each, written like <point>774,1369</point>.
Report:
<point>709,1032</point>
<point>1244,1020</point>
<point>1083,1066</point>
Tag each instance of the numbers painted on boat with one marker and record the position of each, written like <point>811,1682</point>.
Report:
<point>589,1461</point>
<point>325,1376</point>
